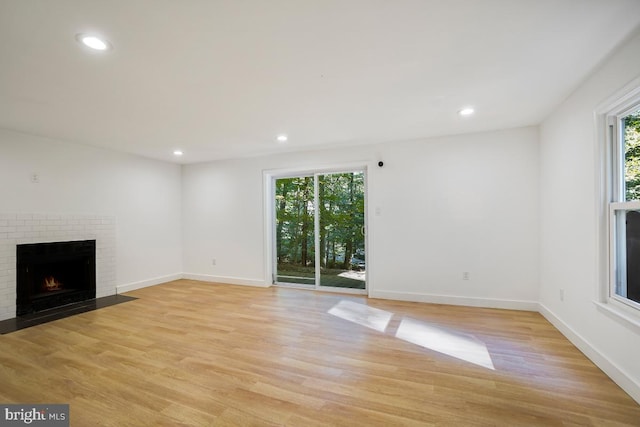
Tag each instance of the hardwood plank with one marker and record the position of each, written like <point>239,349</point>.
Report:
<point>194,354</point>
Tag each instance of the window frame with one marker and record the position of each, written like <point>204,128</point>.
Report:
<point>615,264</point>
<point>270,175</point>
<point>611,183</point>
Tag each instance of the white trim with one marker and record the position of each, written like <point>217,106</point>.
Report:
<point>310,170</point>
<point>625,302</point>
<point>457,300</point>
<point>603,189</point>
<point>226,280</point>
<point>120,289</point>
<point>269,215</point>
<point>613,371</point>
<point>317,209</point>
<point>609,173</point>
<point>617,102</point>
<point>630,206</point>
<point>618,313</point>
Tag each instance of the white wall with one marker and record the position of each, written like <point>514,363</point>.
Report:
<point>569,224</point>
<point>143,195</point>
<point>447,205</point>
<point>467,203</point>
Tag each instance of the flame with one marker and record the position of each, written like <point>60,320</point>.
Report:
<point>51,284</point>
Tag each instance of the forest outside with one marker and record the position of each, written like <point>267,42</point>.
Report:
<point>341,239</point>
<point>627,284</point>
<point>632,156</point>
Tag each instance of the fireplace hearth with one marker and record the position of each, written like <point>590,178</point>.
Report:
<point>51,275</point>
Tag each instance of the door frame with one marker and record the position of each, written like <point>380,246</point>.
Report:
<point>269,179</point>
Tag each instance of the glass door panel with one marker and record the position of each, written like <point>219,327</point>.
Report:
<point>295,231</point>
<point>341,229</point>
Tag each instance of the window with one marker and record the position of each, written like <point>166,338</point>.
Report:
<point>624,203</point>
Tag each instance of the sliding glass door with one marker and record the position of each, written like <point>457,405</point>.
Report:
<point>341,245</point>
<point>320,230</point>
<point>295,230</point>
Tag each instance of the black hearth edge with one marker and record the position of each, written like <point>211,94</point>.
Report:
<point>33,319</point>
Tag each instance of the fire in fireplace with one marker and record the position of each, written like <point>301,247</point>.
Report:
<point>51,275</point>
<point>52,284</point>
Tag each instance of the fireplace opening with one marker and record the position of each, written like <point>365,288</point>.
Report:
<point>55,274</point>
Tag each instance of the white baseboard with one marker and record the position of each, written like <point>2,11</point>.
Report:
<point>149,282</point>
<point>455,300</point>
<point>201,277</point>
<point>619,376</point>
<point>226,280</point>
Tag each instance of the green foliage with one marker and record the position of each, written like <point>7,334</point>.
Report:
<point>341,204</point>
<point>632,156</point>
<point>341,219</point>
<point>294,216</point>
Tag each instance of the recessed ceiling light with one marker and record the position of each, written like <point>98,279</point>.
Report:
<point>93,42</point>
<point>282,138</point>
<point>178,153</point>
<point>466,111</point>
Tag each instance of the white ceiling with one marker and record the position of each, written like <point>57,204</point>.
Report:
<point>221,79</point>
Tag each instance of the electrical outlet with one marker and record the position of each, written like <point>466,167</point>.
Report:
<point>465,275</point>
<point>35,178</point>
<point>213,261</point>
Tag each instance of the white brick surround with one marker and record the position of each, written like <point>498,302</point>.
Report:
<point>21,228</point>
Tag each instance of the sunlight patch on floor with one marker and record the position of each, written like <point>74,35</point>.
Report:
<point>446,341</point>
<point>361,314</point>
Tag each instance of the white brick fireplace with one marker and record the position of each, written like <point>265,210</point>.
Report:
<point>23,228</point>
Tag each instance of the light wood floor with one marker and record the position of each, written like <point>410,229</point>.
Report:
<point>199,354</point>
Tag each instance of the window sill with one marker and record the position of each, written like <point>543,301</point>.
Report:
<point>632,322</point>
